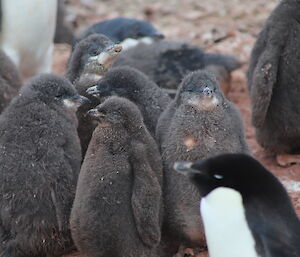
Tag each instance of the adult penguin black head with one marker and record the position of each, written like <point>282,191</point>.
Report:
<point>237,188</point>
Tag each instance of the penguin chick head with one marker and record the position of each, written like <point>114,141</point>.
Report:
<point>121,81</point>
<point>120,112</point>
<point>95,54</point>
<point>240,172</point>
<point>53,89</point>
<point>200,90</point>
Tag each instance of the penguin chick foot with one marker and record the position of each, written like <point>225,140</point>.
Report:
<point>285,160</point>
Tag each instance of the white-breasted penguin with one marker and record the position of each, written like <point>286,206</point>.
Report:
<point>27,33</point>
<point>245,209</point>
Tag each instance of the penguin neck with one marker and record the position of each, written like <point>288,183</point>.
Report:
<point>226,228</point>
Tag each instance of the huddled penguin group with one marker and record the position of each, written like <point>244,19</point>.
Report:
<point>136,150</point>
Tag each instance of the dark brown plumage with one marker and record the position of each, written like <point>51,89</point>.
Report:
<point>200,122</point>
<point>40,161</point>
<point>166,62</point>
<point>10,81</point>
<point>137,87</point>
<point>274,79</point>
<point>86,124</point>
<point>118,205</point>
<point>89,61</point>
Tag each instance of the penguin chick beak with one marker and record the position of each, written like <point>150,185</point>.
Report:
<point>109,54</point>
<point>76,101</point>
<point>207,92</point>
<point>185,168</point>
<point>96,114</point>
<point>117,48</point>
<point>98,91</point>
<point>93,91</point>
<point>106,57</point>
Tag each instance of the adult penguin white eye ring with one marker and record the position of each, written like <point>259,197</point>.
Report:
<point>27,33</point>
<point>245,209</point>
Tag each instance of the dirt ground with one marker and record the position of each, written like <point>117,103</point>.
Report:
<point>229,26</point>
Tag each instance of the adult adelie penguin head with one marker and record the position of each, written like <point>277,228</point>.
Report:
<point>245,209</point>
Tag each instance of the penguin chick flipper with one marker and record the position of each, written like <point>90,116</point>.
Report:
<point>146,197</point>
<point>264,78</point>
<point>59,215</point>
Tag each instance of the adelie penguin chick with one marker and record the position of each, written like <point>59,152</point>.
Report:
<point>27,33</point>
<point>273,82</point>
<point>10,81</point>
<point>92,57</point>
<point>126,31</point>
<point>134,85</point>
<point>200,122</point>
<point>118,205</point>
<point>245,209</point>
<point>166,62</point>
<point>40,161</point>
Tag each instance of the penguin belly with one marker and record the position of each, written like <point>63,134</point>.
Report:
<point>225,225</point>
<point>27,34</point>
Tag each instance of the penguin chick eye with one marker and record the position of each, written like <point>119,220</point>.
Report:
<point>190,88</point>
<point>94,52</point>
<point>115,113</point>
<point>59,95</point>
<point>218,176</point>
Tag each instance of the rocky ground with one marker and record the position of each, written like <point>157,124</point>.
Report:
<point>229,26</point>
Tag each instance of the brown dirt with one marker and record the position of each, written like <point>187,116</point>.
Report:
<point>215,25</point>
